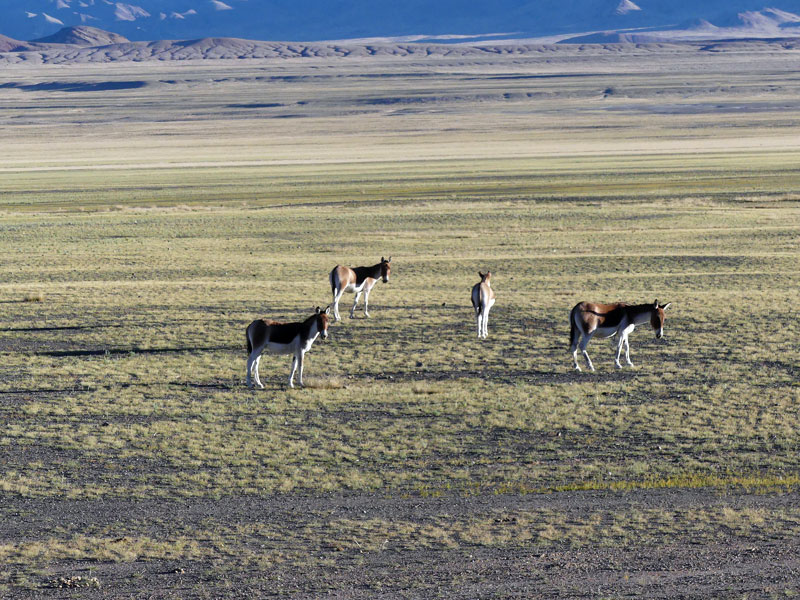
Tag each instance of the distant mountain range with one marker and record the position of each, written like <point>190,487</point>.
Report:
<point>446,21</point>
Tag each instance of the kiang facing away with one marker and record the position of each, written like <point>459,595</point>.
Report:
<point>589,319</point>
<point>482,302</point>
<point>358,280</point>
<point>284,338</point>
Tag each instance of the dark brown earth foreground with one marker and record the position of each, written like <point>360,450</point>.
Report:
<point>298,547</point>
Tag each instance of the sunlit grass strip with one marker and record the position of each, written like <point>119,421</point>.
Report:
<point>750,483</point>
<point>525,528</point>
<point>309,540</point>
<point>124,549</point>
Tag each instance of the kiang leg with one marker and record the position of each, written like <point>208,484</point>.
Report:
<point>337,295</point>
<point>366,301</point>
<point>250,363</point>
<point>255,371</point>
<point>300,358</point>
<point>355,303</point>
<point>294,368</point>
<point>628,352</point>
<point>575,337</point>
<point>574,350</point>
<point>585,342</point>
<point>620,342</point>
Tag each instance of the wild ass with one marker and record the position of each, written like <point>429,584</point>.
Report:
<point>284,338</point>
<point>358,280</point>
<point>482,302</point>
<point>588,319</point>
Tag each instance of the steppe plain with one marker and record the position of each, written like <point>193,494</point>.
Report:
<point>150,210</point>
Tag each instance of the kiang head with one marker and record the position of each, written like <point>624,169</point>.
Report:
<point>322,320</point>
<point>386,268</point>
<point>657,318</point>
<point>485,276</point>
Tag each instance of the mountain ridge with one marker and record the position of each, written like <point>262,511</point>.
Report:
<point>8,44</point>
<point>82,35</point>
<point>238,49</point>
<point>319,20</point>
<point>82,43</point>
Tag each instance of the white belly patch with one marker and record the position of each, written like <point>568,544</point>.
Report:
<point>275,348</point>
<point>605,332</point>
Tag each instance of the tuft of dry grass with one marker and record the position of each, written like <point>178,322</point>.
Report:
<point>424,388</point>
<point>325,382</point>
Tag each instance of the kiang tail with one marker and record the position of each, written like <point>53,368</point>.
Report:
<point>573,329</point>
<point>477,301</point>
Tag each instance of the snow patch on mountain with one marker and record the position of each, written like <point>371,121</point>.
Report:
<point>52,20</point>
<point>626,6</point>
<point>129,12</point>
<point>768,23</point>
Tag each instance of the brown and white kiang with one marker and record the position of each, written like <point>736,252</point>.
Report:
<point>357,280</point>
<point>482,301</point>
<point>264,335</point>
<point>589,319</point>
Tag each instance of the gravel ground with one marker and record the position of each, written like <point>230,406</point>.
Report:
<point>672,566</point>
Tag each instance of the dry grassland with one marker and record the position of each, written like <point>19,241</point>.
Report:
<point>142,228</point>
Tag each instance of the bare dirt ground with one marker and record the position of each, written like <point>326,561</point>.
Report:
<point>679,565</point>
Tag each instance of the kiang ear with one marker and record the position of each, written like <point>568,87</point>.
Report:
<point>388,260</point>
<point>328,309</point>
<point>666,306</point>
<point>481,275</point>
<point>319,310</point>
<point>656,303</point>
<point>383,259</point>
